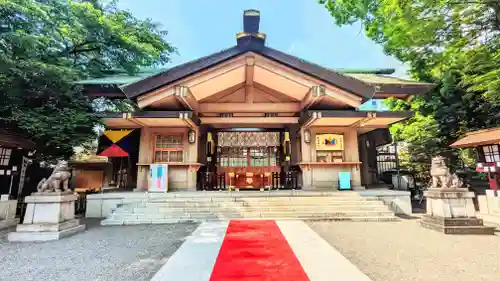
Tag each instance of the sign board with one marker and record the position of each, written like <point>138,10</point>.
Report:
<point>344,181</point>
<point>158,178</point>
<point>329,142</point>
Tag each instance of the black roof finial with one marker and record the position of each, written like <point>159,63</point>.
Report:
<point>251,34</point>
<point>251,20</point>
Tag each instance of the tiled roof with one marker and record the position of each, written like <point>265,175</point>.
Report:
<point>478,138</point>
<point>374,78</point>
<point>362,82</point>
<point>345,81</point>
<point>121,77</point>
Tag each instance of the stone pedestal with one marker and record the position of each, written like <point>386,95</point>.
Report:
<point>8,213</point>
<point>452,211</point>
<point>49,216</point>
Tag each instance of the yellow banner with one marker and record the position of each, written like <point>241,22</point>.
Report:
<point>329,142</point>
<point>116,135</point>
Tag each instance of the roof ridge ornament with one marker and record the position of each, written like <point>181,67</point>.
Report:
<point>250,33</point>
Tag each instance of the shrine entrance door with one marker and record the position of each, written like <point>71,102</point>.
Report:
<point>248,158</point>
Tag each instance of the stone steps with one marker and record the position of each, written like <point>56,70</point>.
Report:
<point>471,230</point>
<point>109,222</point>
<point>256,200</point>
<point>253,214</point>
<point>472,226</point>
<point>270,208</point>
<point>259,204</point>
<point>346,207</point>
<point>165,210</point>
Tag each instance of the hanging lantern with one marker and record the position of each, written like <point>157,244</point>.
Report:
<point>210,145</point>
<point>307,136</point>
<point>287,146</point>
<point>191,136</point>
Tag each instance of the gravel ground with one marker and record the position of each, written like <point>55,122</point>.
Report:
<point>396,251</point>
<point>100,253</point>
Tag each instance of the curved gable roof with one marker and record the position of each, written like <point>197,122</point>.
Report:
<point>179,72</point>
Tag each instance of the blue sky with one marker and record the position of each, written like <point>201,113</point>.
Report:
<point>302,28</point>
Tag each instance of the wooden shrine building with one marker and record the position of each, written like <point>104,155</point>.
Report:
<point>252,117</point>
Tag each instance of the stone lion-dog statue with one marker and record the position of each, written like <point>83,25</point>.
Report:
<point>441,175</point>
<point>60,176</point>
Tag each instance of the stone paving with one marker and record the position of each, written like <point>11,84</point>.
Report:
<point>388,251</point>
<point>101,253</point>
<point>395,251</point>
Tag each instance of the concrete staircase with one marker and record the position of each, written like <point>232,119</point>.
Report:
<point>349,206</point>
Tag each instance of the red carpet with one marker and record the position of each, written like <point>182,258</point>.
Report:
<point>256,251</point>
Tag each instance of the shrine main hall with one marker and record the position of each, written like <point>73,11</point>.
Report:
<point>249,117</point>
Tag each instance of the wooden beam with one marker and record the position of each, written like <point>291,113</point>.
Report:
<point>190,123</point>
<point>249,62</point>
<point>249,93</point>
<point>155,96</point>
<point>192,80</point>
<point>311,120</point>
<point>278,95</point>
<point>249,120</point>
<point>213,72</point>
<point>245,107</point>
<point>136,121</point>
<point>185,97</point>
<point>222,94</point>
<point>249,70</point>
<point>314,94</point>
<point>308,81</point>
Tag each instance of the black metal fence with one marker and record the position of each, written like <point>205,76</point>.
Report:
<point>285,180</point>
<point>211,181</point>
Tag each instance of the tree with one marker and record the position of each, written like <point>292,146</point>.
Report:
<point>46,45</point>
<point>442,116</point>
<point>448,42</point>
<point>434,35</point>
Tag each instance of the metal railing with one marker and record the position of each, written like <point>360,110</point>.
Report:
<point>285,180</point>
<point>211,181</point>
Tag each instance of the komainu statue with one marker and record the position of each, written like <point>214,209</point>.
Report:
<point>441,176</point>
<point>60,176</point>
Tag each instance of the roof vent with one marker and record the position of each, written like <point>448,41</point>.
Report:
<point>251,21</point>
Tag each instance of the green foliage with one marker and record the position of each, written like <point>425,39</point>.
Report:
<point>454,44</point>
<point>46,45</point>
<point>442,116</point>
<point>434,36</point>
